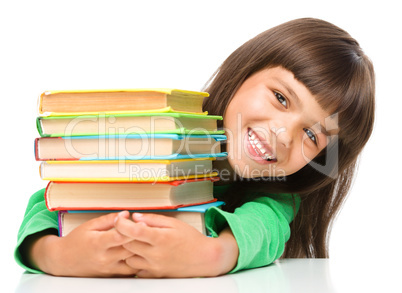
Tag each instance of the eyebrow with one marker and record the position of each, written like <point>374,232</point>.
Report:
<point>323,130</point>
<point>299,103</point>
<point>290,91</point>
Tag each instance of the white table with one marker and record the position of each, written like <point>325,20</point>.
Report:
<point>290,275</point>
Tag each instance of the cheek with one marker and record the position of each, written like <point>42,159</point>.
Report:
<point>233,123</point>
<point>298,159</point>
<point>307,154</point>
<point>243,108</point>
<point>229,118</point>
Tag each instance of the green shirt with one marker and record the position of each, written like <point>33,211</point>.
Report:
<point>261,227</point>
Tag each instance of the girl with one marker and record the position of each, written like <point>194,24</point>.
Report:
<point>298,107</point>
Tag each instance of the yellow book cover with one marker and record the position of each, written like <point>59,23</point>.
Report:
<point>149,179</point>
<point>119,101</point>
<point>127,170</point>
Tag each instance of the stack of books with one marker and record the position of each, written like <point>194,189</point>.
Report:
<point>148,150</point>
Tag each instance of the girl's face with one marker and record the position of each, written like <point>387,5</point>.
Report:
<point>274,125</point>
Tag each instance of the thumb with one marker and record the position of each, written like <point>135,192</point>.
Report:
<point>106,222</point>
<point>154,220</point>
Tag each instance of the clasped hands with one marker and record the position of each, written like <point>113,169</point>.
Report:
<point>145,245</point>
<point>161,246</point>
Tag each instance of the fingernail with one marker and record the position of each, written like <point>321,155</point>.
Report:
<point>118,215</point>
<point>137,215</point>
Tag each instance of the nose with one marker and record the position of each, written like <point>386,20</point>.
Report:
<point>282,137</point>
<point>285,131</point>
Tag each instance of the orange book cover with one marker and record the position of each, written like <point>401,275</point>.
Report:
<point>132,196</point>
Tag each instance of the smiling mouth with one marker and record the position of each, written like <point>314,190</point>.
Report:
<point>259,147</point>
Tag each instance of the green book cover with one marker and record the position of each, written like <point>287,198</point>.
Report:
<point>122,124</point>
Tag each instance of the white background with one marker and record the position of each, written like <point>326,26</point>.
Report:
<point>52,45</point>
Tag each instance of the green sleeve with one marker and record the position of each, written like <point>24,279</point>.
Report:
<point>261,228</point>
<point>36,219</point>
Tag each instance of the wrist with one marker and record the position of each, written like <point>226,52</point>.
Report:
<point>44,253</point>
<point>223,254</point>
<point>31,251</point>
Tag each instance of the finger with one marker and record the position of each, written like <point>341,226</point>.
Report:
<point>154,220</point>
<point>105,222</point>
<point>113,238</point>
<point>137,263</point>
<point>144,274</point>
<point>117,256</point>
<point>136,247</point>
<point>135,231</point>
<point>124,270</point>
<point>119,253</point>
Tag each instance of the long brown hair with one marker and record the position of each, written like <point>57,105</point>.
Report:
<point>331,64</point>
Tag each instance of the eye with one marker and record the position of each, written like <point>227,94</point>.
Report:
<point>281,99</point>
<point>311,135</point>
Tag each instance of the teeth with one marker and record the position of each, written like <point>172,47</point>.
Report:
<point>255,143</point>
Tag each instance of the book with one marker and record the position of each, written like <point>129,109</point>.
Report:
<point>105,124</point>
<point>54,103</point>
<point>192,215</point>
<point>128,147</point>
<point>126,170</point>
<point>127,195</point>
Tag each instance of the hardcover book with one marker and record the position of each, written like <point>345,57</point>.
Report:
<point>128,147</point>
<point>192,215</point>
<point>115,124</point>
<point>126,170</point>
<point>55,103</point>
<point>128,196</point>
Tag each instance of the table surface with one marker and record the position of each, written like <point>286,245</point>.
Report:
<point>290,275</point>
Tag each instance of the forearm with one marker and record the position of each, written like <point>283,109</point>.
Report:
<point>227,252</point>
<point>261,229</point>
<point>37,247</point>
